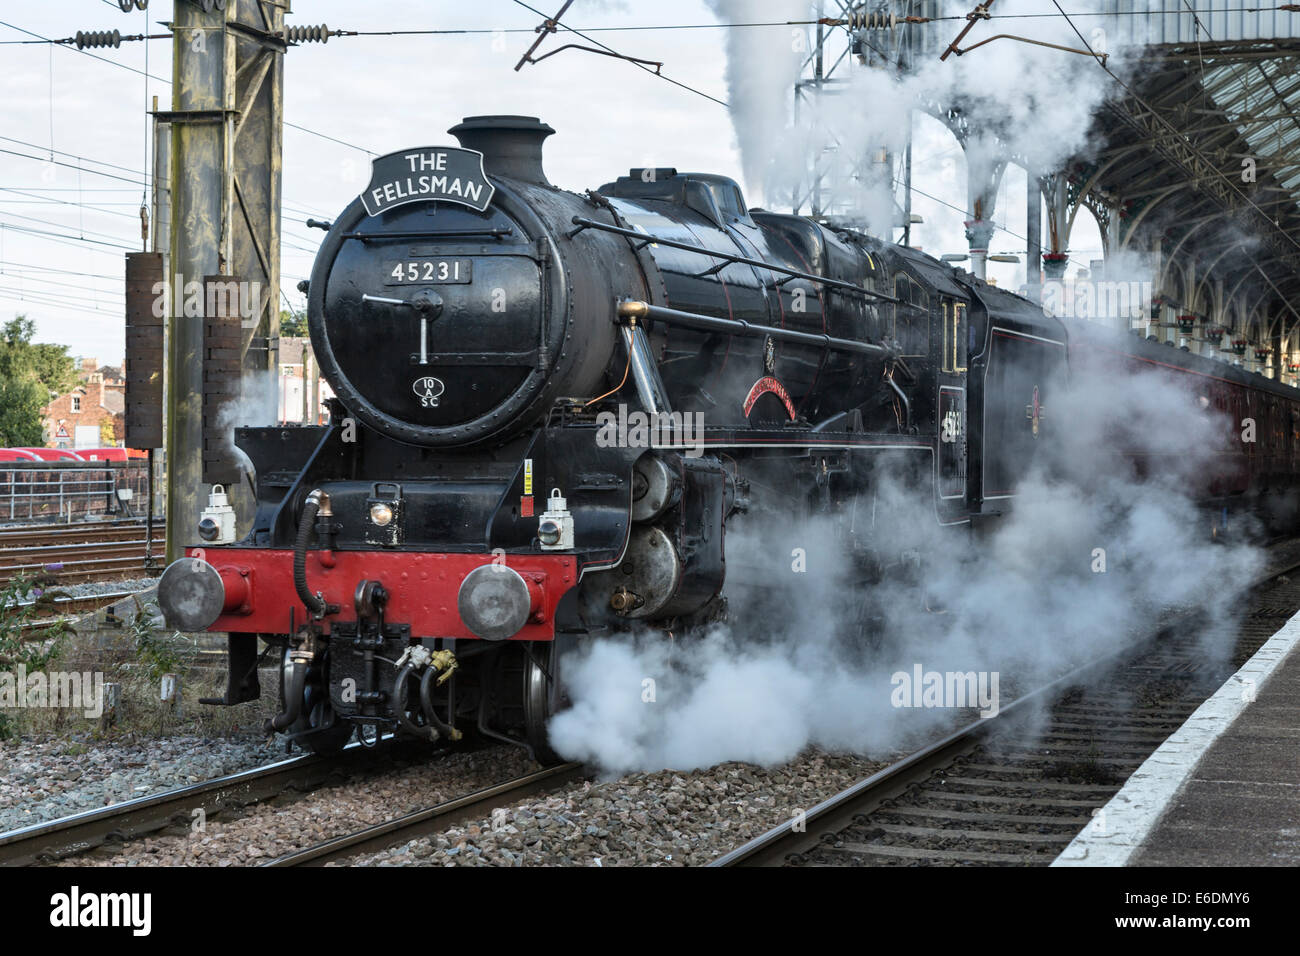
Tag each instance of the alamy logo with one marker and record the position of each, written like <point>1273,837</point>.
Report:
<point>922,688</point>
<point>1096,299</point>
<point>193,299</point>
<point>75,909</point>
<point>80,691</point>
<point>680,431</point>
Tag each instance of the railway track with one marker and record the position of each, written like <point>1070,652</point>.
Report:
<point>69,610</point>
<point>133,819</point>
<point>77,533</point>
<point>1016,789</point>
<point>473,806</point>
<point>77,554</point>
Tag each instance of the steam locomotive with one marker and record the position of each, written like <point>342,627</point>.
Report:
<point>550,407</point>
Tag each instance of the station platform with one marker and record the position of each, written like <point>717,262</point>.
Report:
<point>1224,789</point>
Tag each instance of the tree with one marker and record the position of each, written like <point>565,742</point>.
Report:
<point>293,324</point>
<point>30,375</point>
<point>21,402</point>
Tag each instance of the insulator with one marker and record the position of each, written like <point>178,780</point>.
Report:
<point>126,5</point>
<point>96,38</point>
<point>320,34</point>
<point>873,21</point>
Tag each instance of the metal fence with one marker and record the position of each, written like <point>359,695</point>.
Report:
<point>67,490</point>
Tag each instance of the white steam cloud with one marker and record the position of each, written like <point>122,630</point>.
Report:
<point>1029,102</point>
<point>1027,601</point>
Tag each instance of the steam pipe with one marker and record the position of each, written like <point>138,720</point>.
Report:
<point>402,718</point>
<point>426,704</point>
<point>314,602</point>
<point>292,698</point>
<point>907,405</point>
<point>645,374</point>
<point>630,309</point>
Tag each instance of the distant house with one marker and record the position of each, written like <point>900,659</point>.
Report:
<point>92,413</point>
<point>299,383</point>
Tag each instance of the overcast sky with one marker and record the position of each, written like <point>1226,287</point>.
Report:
<point>377,93</point>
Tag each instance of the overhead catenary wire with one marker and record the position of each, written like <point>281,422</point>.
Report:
<point>665,27</point>
<point>44,278</point>
<point>162,79</point>
<point>93,299</point>
<point>89,310</point>
<point>72,272</point>
<point>640,66</point>
<point>87,241</point>
<point>50,222</point>
<point>60,235</point>
<point>45,200</point>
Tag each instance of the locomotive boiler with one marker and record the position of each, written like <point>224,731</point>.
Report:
<point>551,406</point>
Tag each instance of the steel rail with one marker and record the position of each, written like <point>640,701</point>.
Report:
<point>429,820</point>
<point>132,819</point>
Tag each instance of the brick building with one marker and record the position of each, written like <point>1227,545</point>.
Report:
<point>299,384</point>
<point>91,412</point>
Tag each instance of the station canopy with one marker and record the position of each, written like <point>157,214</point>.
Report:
<point>1204,147</point>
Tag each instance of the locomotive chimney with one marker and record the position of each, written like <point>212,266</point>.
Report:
<point>511,145</point>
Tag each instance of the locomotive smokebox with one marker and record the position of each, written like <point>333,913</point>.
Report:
<point>511,145</point>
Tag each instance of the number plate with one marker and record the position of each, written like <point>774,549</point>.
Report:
<point>425,271</point>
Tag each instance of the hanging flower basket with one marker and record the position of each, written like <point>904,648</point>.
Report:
<point>1262,354</point>
<point>1239,346</point>
<point>1215,334</point>
<point>1293,367</point>
<point>1055,263</point>
<point>1186,323</point>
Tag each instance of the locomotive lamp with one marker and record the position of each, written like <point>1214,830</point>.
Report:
<point>385,513</point>
<point>555,527</point>
<point>549,532</point>
<point>217,523</point>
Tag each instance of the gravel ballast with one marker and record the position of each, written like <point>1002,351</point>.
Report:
<point>646,819</point>
<point>46,778</point>
<point>265,831</point>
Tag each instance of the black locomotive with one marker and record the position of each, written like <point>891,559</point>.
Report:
<point>549,408</point>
